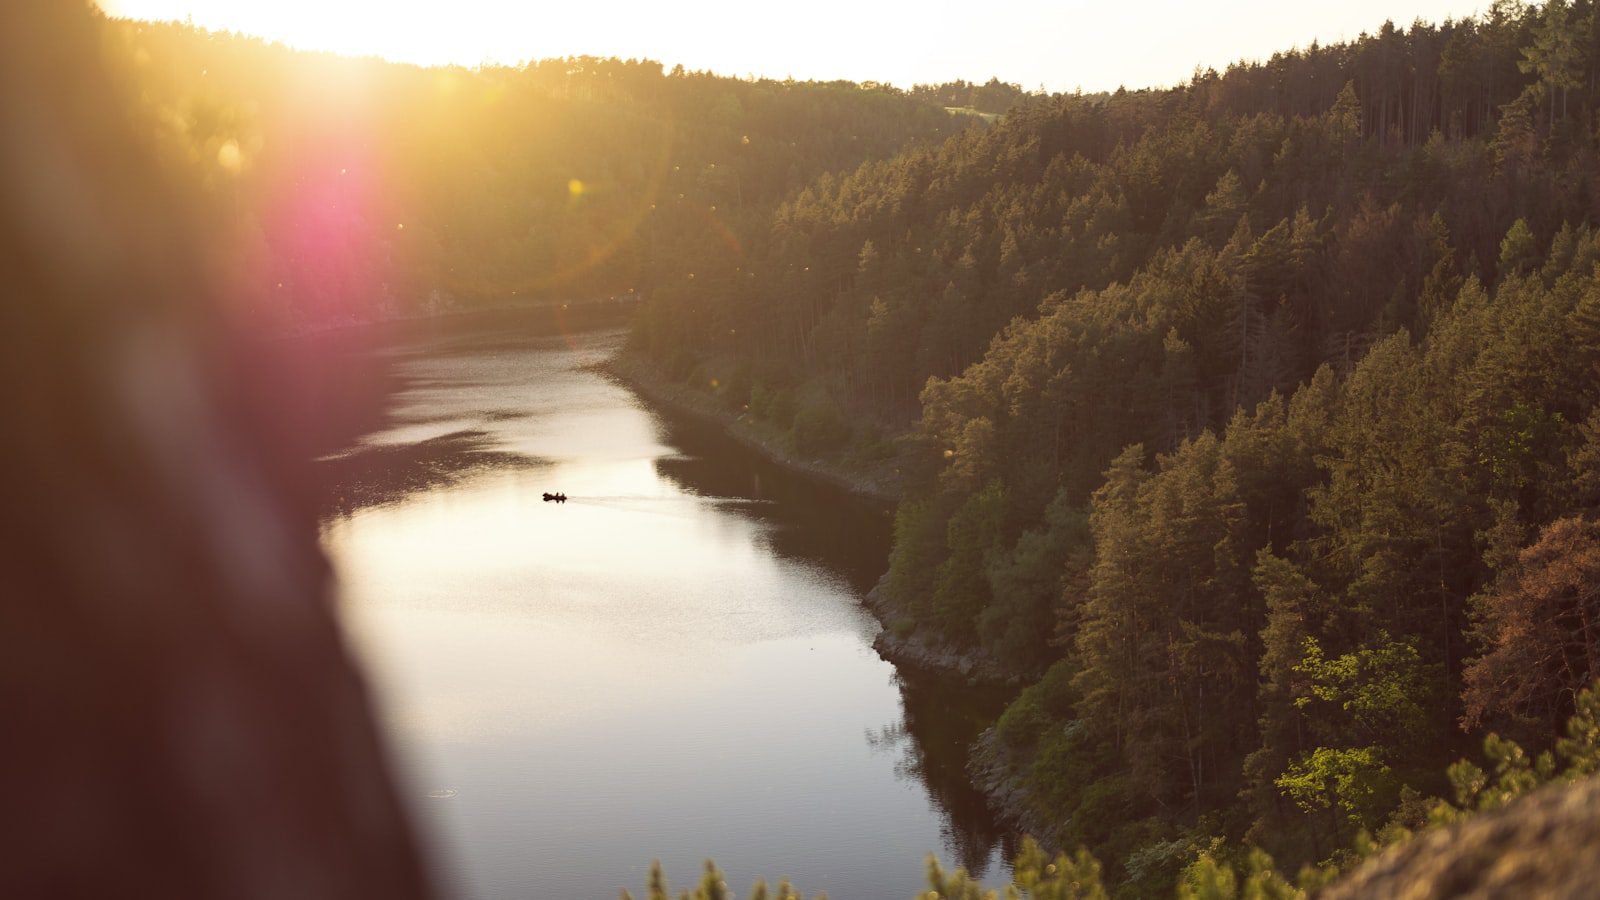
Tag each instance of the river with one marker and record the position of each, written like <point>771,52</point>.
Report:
<point>674,664</point>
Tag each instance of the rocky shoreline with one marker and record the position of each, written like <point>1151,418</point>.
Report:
<point>901,642</point>
<point>998,775</point>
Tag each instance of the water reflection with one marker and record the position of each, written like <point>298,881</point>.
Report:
<point>834,529</point>
<point>939,722</point>
<point>674,664</point>
<point>810,523</point>
<point>388,473</point>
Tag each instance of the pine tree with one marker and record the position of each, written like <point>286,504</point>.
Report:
<point>1555,56</point>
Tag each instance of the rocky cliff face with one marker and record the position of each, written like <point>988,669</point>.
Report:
<point>1544,845</point>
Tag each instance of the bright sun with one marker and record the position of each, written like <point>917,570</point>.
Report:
<point>1065,44</point>
<point>399,31</point>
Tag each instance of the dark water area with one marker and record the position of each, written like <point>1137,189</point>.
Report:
<point>813,523</point>
<point>674,664</point>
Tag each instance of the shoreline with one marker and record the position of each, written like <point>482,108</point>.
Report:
<point>576,314</point>
<point>989,768</point>
<point>877,489</point>
<point>919,649</point>
<point>915,648</point>
<point>996,775</point>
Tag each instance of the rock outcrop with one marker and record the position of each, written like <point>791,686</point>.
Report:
<point>1544,845</point>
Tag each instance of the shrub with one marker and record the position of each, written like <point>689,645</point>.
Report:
<point>819,429</point>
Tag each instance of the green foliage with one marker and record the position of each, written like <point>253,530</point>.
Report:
<point>1037,876</point>
<point>1580,749</point>
<point>1041,706</point>
<point>1336,496</point>
<point>1075,877</point>
<point>1556,55</point>
<point>1204,879</point>
<point>961,590</point>
<point>1522,437</point>
<point>919,530</point>
<point>1381,690</point>
<point>1515,773</point>
<point>819,429</point>
<point>1028,584</point>
<point>1352,782</point>
<point>1518,251</point>
<point>773,404</point>
<point>1263,882</point>
<point>714,886</point>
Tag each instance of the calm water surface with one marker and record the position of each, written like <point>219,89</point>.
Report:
<point>673,665</point>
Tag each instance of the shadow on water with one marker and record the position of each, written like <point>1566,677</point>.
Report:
<point>354,373</point>
<point>810,522</point>
<point>822,525</point>
<point>345,377</point>
<point>940,720</point>
<point>388,473</point>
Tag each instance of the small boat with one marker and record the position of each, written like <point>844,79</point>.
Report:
<point>557,498</point>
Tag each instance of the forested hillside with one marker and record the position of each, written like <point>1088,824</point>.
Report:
<point>1255,419</point>
<point>347,189</point>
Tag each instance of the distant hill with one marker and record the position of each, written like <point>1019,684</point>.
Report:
<point>350,188</point>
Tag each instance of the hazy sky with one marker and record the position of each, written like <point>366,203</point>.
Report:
<point>1062,45</point>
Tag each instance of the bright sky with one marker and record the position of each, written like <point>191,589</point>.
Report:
<point>1063,45</point>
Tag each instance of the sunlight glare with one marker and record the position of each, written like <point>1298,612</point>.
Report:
<point>1061,46</point>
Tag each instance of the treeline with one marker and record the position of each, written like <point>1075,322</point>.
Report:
<point>1256,418</point>
<point>992,97</point>
<point>348,189</point>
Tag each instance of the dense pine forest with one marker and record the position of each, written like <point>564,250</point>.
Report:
<point>1252,422</point>
<point>1253,419</point>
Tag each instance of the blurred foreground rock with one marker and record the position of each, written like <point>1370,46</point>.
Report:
<point>181,715</point>
<point>1545,845</point>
